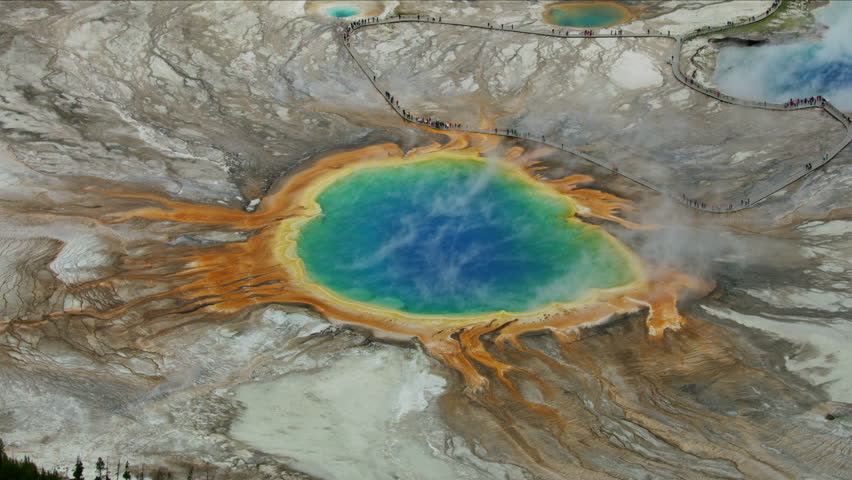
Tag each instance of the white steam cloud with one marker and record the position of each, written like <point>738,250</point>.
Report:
<point>802,69</point>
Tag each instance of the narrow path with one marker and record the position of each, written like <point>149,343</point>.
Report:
<point>745,200</point>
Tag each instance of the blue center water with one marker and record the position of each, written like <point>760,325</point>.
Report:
<point>343,11</point>
<point>586,14</point>
<point>450,236</point>
<point>776,73</point>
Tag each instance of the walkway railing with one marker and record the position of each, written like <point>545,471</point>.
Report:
<point>748,199</point>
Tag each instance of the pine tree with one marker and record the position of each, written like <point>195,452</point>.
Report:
<point>78,470</point>
<point>99,466</point>
<point>189,475</point>
<point>127,471</point>
<point>26,469</point>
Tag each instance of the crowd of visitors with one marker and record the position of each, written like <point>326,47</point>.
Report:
<point>428,121</point>
<point>769,10</point>
<point>817,100</point>
<point>704,206</point>
<point>690,80</point>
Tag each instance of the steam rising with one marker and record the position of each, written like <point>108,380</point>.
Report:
<point>780,72</point>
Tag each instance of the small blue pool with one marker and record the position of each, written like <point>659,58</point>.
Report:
<point>342,11</point>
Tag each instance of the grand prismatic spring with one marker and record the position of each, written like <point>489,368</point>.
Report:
<point>426,240</point>
<point>501,246</point>
<point>448,236</point>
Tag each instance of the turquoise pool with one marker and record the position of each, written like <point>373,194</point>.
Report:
<point>343,11</point>
<point>586,14</point>
<point>451,237</point>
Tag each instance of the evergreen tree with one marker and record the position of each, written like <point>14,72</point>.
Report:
<point>127,471</point>
<point>189,475</point>
<point>26,469</point>
<point>99,466</point>
<point>78,470</point>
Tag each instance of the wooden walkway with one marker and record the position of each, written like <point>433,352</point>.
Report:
<point>746,200</point>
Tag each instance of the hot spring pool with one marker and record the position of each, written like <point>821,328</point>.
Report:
<point>342,11</point>
<point>776,73</point>
<point>454,237</point>
<point>586,14</point>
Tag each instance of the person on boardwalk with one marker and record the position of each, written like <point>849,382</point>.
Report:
<point>797,103</point>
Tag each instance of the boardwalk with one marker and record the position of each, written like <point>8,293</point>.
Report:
<point>745,199</point>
